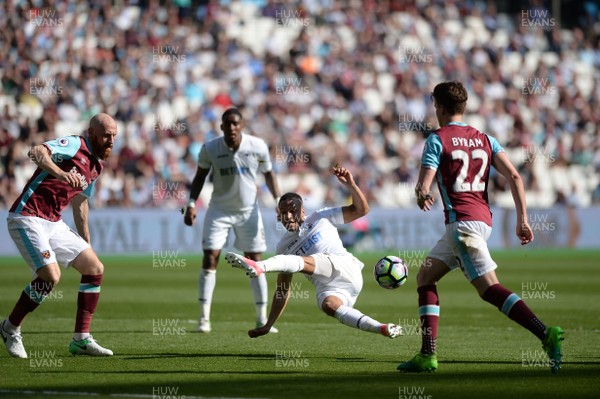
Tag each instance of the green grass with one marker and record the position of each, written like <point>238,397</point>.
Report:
<point>481,352</point>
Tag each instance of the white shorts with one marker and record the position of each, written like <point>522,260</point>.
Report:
<point>42,242</point>
<point>345,278</point>
<point>247,226</point>
<point>464,245</point>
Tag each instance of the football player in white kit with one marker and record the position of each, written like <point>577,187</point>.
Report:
<point>235,159</point>
<point>312,246</point>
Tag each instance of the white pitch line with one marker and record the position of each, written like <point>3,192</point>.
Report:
<point>112,395</point>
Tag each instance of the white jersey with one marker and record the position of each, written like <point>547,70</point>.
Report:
<point>316,235</point>
<point>234,173</point>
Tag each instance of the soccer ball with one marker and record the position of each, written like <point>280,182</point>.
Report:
<point>390,272</point>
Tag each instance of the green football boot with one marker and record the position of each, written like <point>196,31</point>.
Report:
<point>552,345</point>
<point>419,363</point>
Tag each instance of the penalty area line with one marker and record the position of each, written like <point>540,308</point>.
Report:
<point>112,395</point>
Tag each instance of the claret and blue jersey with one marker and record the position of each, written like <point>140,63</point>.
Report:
<point>45,196</point>
<point>462,155</point>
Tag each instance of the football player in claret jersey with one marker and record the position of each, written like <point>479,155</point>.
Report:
<point>312,246</point>
<point>67,171</point>
<point>235,158</point>
<point>458,157</point>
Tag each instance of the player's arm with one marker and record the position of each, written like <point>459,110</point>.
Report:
<point>190,213</point>
<point>272,185</point>
<point>41,156</point>
<point>359,206</point>
<point>80,216</point>
<point>280,300</point>
<point>423,188</point>
<point>503,165</point>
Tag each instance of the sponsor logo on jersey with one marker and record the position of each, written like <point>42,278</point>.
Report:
<point>309,243</point>
<point>84,183</point>
<point>222,156</point>
<point>242,170</point>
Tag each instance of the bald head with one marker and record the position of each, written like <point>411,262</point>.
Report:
<point>102,132</point>
<point>102,121</point>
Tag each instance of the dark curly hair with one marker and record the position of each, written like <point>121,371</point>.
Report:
<point>452,96</point>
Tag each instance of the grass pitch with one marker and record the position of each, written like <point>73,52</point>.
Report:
<point>148,316</point>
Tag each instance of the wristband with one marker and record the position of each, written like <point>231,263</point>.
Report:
<point>191,203</point>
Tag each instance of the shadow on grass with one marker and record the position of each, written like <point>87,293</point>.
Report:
<point>512,362</point>
<point>302,383</point>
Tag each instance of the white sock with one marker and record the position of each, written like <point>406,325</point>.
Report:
<point>356,319</point>
<point>80,336</point>
<point>283,264</point>
<point>206,287</point>
<point>10,327</point>
<point>260,291</point>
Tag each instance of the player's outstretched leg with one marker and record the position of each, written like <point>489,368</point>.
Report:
<point>248,265</point>
<point>391,330</point>
<point>279,264</point>
<point>354,318</point>
<point>552,344</point>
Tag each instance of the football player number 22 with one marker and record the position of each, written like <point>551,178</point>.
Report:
<point>460,186</point>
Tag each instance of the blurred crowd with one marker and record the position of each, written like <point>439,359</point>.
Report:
<point>321,81</point>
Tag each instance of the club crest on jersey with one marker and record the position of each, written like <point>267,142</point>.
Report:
<point>84,183</point>
<point>46,254</point>
<point>63,142</point>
